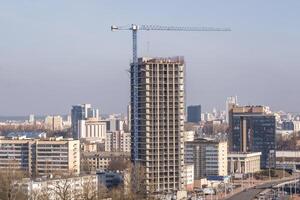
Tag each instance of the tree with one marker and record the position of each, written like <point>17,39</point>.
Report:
<point>11,184</point>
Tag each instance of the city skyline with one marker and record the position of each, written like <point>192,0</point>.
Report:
<point>58,54</point>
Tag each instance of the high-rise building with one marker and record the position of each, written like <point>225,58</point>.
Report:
<point>209,157</point>
<point>230,103</point>
<point>194,113</point>
<point>54,123</point>
<point>40,156</point>
<point>253,130</point>
<point>158,143</point>
<point>31,119</point>
<point>128,118</point>
<point>81,112</point>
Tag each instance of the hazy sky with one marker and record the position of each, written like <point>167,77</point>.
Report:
<point>57,53</point>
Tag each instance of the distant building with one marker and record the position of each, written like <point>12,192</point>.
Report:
<point>230,103</point>
<point>189,136</point>
<point>114,123</point>
<point>100,160</point>
<point>209,157</point>
<point>189,176</point>
<point>26,135</point>
<point>54,123</point>
<point>118,141</point>
<point>40,156</point>
<point>81,112</point>
<point>31,119</point>
<point>291,125</point>
<point>194,113</point>
<point>243,163</point>
<point>253,130</point>
<point>92,128</point>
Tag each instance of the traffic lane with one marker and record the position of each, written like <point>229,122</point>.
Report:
<point>248,194</point>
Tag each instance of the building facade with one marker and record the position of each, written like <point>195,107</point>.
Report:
<point>158,143</point>
<point>94,161</point>
<point>118,141</point>
<point>81,112</point>
<point>78,187</point>
<point>289,160</point>
<point>209,157</point>
<point>243,163</point>
<point>194,113</point>
<point>253,130</point>
<point>54,123</point>
<point>92,128</point>
<point>41,157</point>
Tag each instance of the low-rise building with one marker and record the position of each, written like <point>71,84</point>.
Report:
<point>100,160</point>
<point>78,187</point>
<point>243,163</point>
<point>289,160</point>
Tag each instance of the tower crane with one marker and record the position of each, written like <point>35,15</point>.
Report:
<point>135,28</point>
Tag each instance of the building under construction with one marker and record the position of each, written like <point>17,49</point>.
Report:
<point>158,144</point>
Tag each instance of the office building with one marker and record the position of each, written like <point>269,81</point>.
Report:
<point>92,129</point>
<point>230,103</point>
<point>157,133</point>
<point>240,163</point>
<point>209,157</point>
<point>118,141</point>
<point>289,160</point>
<point>194,113</point>
<point>253,130</point>
<point>81,112</point>
<point>40,157</point>
<point>54,123</point>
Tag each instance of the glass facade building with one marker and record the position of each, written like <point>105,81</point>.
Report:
<point>253,132</point>
<point>194,113</point>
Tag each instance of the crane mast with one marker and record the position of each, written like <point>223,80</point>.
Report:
<point>134,28</point>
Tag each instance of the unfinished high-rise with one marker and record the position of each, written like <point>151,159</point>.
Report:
<point>157,132</point>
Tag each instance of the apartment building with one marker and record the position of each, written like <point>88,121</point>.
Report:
<point>209,157</point>
<point>40,157</point>
<point>157,121</point>
<point>54,123</point>
<point>118,141</point>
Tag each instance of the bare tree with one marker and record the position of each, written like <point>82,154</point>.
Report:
<point>11,184</point>
<point>89,189</point>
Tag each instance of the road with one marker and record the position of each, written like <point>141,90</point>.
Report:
<point>250,193</point>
